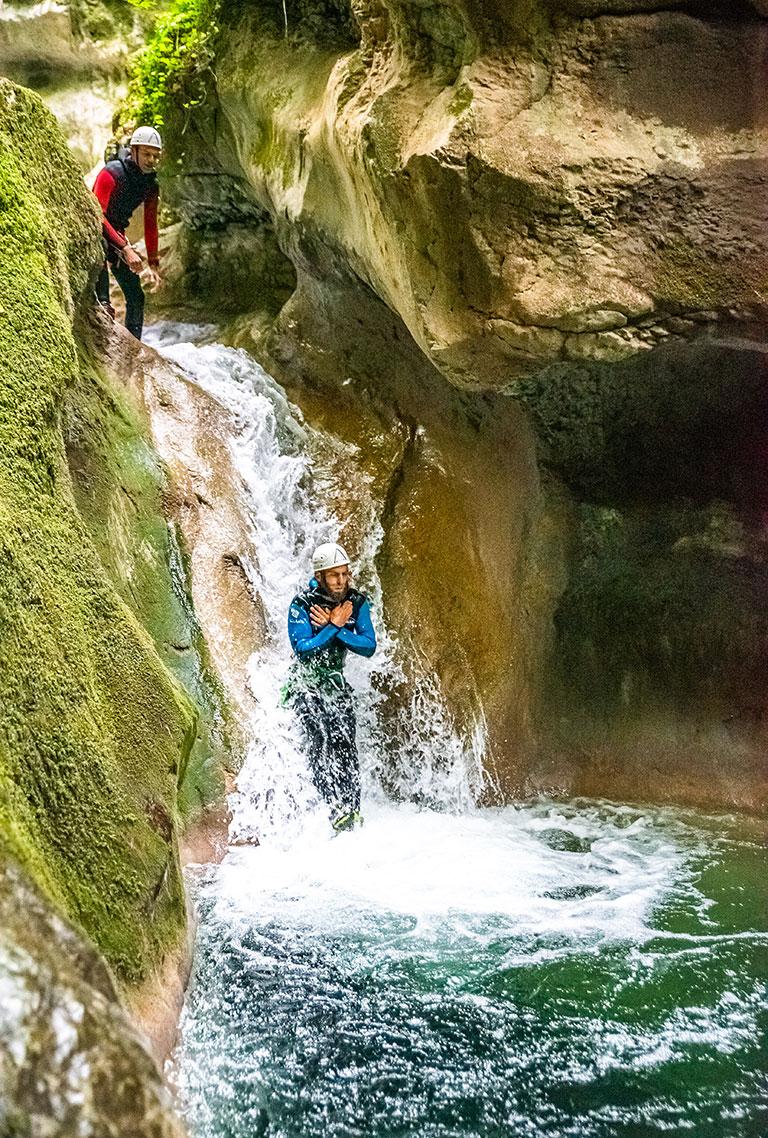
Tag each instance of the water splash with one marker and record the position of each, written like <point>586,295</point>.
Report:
<point>541,971</point>
<point>283,480</point>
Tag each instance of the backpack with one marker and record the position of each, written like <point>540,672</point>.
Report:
<point>115,151</point>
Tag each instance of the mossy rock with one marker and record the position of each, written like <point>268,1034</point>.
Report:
<point>119,485</point>
<point>94,730</point>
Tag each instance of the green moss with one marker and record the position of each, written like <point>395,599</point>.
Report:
<point>461,101</point>
<point>202,779</point>
<point>273,152</point>
<point>93,728</point>
<point>119,485</point>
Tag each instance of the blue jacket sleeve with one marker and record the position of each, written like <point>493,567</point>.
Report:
<point>363,639</point>
<point>303,640</point>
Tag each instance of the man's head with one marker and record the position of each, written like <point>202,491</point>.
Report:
<point>331,566</point>
<point>146,148</point>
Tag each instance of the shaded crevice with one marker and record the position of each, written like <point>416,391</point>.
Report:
<point>687,421</point>
<point>396,483</point>
<point>323,23</point>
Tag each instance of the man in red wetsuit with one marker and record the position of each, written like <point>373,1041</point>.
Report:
<point>121,187</point>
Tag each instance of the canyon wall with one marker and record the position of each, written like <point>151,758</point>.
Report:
<point>75,55</point>
<point>530,240</point>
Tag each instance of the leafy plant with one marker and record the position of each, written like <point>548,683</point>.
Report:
<point>172,74</point>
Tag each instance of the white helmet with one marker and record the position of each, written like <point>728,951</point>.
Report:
<point>146,136</point>
<point>329,555</point>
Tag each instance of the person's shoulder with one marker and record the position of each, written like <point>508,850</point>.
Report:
<point>302,600</point>
<point>357,598</point>
<point>115,167</point>
<point>297,608</point>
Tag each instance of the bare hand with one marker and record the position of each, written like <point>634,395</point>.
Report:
<point>341,614</point>
<point>152,278</point>
<point>319,616</point>
<point>132,259</point>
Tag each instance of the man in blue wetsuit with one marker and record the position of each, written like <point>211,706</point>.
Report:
<point>325,621</point>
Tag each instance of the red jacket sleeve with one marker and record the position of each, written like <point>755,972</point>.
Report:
<point>150,229</point>
<point>102,188</point>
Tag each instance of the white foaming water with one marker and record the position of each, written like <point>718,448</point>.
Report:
<point>450,872</point>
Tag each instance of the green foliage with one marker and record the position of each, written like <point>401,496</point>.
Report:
<point>172,74</point>
<point>150,6</point>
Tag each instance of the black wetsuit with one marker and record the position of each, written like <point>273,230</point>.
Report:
<point>322,698</point>
<point>121,187</point>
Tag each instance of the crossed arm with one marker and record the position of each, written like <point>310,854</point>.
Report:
<point>310,631</point>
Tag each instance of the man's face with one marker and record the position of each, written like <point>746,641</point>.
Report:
<point>335,581</point>
<point>147,158</point>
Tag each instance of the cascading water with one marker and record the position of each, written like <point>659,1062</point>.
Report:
<point>583,969</point>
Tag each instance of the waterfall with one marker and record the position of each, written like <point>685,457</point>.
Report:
<point>563,970</point>
<point>274,448</point>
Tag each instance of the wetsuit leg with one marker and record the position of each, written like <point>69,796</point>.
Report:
<point>345,759</point>
<point>134,297</point>
<point>102,285</point>
<point>328,726</point>
<point>312,715</point>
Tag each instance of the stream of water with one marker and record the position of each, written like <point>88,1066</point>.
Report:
<point>561,969</point>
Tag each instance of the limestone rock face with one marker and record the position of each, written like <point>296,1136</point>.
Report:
<point>74,53</point>
<point>70,1063</point>
<point>191,433</point>
<point>522,186</point>
<point>561,207</point>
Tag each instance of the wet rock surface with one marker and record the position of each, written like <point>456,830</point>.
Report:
<point>191,433</point>
<point>70,1062</point>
